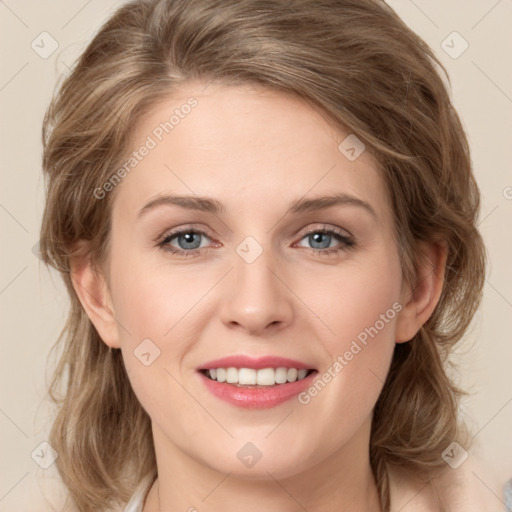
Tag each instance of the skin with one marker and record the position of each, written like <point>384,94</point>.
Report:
<point>255,151</point>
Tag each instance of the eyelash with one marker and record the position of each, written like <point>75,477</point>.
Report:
<point>347,241</point>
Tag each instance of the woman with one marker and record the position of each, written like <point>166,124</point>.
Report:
<point>208,164</point>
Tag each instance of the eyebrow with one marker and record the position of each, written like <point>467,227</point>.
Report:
<point>206,204</point>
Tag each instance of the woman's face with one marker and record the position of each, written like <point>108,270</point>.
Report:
<point>252,275</point>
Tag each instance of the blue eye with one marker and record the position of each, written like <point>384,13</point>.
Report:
<point>322,238</point>
<point>189,241</point>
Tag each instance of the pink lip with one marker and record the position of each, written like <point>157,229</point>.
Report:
<point>258,363</point>
<point>256,398</point>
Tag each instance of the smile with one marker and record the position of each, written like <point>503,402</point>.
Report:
<point>252,377</point>
<point>256,396</point>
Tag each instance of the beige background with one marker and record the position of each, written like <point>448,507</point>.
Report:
<point>33,302</point>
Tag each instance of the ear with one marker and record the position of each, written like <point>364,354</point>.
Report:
<point>92,290</point>
<point>419,302</point>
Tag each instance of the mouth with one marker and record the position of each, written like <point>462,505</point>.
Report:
<point>257,378</point>
<point>256,384</point>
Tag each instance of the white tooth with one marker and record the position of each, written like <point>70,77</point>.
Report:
<point>221,374</point>
<point>246,376</point>
<point>301,374</point>
<point>231,375</point>
<point>281,374</point>
<point>263,377</point>
<point>291,375</point>
<point>266,377</point>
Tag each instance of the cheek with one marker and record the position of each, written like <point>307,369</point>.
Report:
<point>153,308</point>
<point>355,299</point>
<point>358,309</point>
<point>150,301</point>
<point>158,313</point>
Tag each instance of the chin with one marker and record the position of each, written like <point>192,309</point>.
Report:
<point>250,464</point>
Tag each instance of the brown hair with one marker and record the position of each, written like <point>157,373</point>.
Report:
<point>362,66</point>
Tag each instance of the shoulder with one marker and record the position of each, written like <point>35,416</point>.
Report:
<point>471,487</point>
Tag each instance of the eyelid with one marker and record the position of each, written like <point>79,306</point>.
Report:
<point>313,229</point>
<point>327,227</point>
<point>179,229</point>
<point>345,238</point>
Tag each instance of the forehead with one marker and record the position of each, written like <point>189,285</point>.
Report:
<point>244,145</point>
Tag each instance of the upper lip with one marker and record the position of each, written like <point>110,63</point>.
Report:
<point>257,363</point>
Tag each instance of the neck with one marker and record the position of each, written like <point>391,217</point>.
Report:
<point>342,482</point>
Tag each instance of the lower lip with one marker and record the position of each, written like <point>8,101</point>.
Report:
<point>257,398</point>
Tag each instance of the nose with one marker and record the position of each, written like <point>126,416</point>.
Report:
<point>257,297</point>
